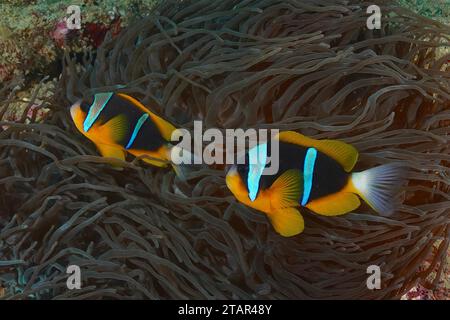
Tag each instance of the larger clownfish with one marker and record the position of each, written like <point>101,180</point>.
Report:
<point>315,174</point>
<point>119,124</point>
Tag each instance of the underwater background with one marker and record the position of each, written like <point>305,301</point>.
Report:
<point>308,66</point>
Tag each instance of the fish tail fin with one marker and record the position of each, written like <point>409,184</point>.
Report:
<point>378,186</point>
<point>183,161</point>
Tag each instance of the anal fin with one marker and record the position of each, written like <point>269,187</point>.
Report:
<point>335,204</point>
<point>287,221</point>
<point>157,158</point>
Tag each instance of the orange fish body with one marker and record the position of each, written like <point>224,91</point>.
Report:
<point>119,124</point>
<point>315,174</point>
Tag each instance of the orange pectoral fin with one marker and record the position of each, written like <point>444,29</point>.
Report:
<point>287,221</point>
<point>286,190</point>
<point>345,154</point>
<point>335,204</point>
<point>114,130</point>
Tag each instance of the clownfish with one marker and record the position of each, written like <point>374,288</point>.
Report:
<point>315,174</point>
<point>119,124</point>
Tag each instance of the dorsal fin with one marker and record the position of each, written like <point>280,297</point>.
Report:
<point>345,154</point>
<point>164,126</point>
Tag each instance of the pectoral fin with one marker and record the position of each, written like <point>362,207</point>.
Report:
<point>286,190</point>
<point>114,130</point>
<point>287,221</point>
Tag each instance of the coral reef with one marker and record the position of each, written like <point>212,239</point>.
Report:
<point>143,233</point>
<point>437,10</point>
<point>33,35</point>
<point>32,32</point>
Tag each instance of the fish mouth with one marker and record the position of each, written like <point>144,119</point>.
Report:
<point>230,169</point>
<point>74,108</point>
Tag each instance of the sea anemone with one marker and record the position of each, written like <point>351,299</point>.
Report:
<point>292,65</point>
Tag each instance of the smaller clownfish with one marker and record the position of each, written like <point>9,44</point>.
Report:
<point>119,124</point>
<point>315,174</point>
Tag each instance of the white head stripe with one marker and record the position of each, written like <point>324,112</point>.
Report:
<point>257,162</point>
<point>100,101</point>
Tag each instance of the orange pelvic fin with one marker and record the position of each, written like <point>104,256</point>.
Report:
<point>111,151</point>
<point>287,221</point>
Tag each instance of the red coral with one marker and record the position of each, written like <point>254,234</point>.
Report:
<point>60,33</point>
<point>96,32</point>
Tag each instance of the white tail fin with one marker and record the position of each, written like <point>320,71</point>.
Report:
<point>378,186</point>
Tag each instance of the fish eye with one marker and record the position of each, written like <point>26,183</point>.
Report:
<point>86,103</point>
<point>243,170</point>
<point>84,107</point>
